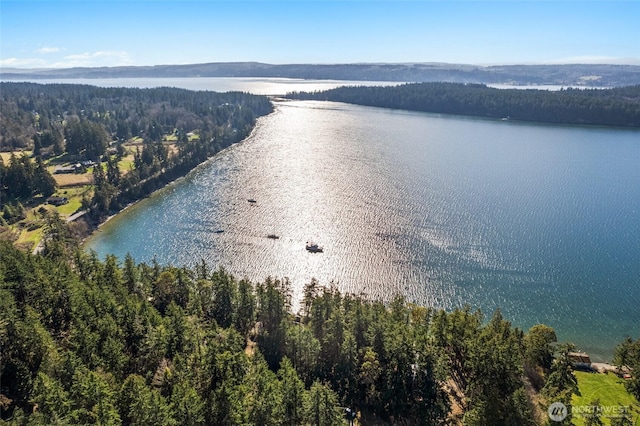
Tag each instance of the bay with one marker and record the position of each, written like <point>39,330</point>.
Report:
<point>542,222</point>
<point>255,85</point>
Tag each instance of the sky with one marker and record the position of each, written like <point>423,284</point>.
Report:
<point>88,33</point>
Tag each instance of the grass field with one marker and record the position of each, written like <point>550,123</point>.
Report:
<point>30,229</point>
<point>608,389</point>
<point>73,179</point>
<point>7,155</point>
<point>30,238</point>
<point>73,186</point>
<point>126,163</point>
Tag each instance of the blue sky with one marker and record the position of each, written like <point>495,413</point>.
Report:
<point>36,34</point>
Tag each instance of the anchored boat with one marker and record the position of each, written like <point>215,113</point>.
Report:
<point>313,247</point>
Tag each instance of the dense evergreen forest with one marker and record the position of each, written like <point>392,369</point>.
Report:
<point>85,341</point>
<point>610,107</point>
<point>29,108</point>
<point>80,123</point>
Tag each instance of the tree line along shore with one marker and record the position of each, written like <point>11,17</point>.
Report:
<point>619,107</point>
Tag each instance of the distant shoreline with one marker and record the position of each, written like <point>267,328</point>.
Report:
<point>619,107</point>
<point>579,75</point>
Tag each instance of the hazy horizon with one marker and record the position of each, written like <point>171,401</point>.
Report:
<point>68,34</point>
<point>21,69</point>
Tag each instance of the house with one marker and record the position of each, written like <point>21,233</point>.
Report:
<point>57,201</point>
<point>72,168</point>
<point>65,169</point>
<point>580,360</point>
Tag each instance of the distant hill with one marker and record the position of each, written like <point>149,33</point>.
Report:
<point>587,75</point>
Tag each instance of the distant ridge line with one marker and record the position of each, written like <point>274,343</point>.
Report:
<point>585,75</point>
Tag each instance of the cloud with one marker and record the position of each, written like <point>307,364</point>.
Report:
<point>23,63</point>
<point>45,50</point>
<point>102,58</point>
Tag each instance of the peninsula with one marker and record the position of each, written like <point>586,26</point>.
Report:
<point>604,107</point>
<point>97,150</point>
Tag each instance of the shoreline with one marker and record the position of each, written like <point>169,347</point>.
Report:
<point>93,227</point>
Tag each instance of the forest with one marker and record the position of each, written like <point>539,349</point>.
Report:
<point>90,341</point>
<point>29,108</point>
<point>602,107</point>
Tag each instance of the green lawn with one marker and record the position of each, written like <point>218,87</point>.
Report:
<point>608,388</point>
<point>30,238</point>
<point>75,199</point>
<point>126,163</point>
<point>29,230</point>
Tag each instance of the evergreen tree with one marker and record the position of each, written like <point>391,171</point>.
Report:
<point>627,356</point>
<point>186,405</point>
<point>562,383</point>
<point>86,138</point>
<point>140,405</point>
<point>44,183</point>
<point>293,394</point>
<point>321,406</point>
<point>244,310</point>
<point>272,311</point>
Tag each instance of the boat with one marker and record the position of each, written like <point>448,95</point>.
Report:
<point>273,236</point>
<point>252,201</point>
<point>313,247</point>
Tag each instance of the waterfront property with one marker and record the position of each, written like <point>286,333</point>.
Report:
<point>580,360</point>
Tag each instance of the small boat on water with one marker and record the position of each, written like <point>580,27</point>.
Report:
<point>252,201</point>
<point>273,236</point>
<point>313,247</point>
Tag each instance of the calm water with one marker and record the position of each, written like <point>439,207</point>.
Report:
<point>258,86</point>
<point>540,221</point>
